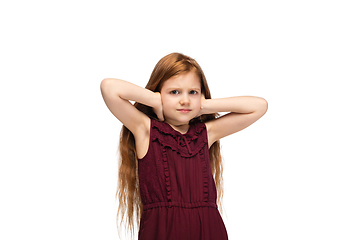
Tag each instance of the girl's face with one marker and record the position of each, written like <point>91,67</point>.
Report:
<point>181,98</point>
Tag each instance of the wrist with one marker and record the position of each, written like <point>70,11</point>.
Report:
<point>156,100</point>
<point>157,106</point>
<point>205,106</point>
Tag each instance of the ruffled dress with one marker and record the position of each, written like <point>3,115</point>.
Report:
<point>177,188</point>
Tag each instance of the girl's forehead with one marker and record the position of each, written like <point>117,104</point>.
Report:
<point>189,79</point>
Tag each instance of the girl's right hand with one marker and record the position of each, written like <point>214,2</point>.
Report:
<point>158,109</point>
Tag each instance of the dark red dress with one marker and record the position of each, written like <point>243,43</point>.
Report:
<point>177,187</point>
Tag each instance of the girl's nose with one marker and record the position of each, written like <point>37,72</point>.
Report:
<point>184,101</point>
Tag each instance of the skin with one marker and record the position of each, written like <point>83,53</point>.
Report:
<point>181,100</point>
<point>178,93</point>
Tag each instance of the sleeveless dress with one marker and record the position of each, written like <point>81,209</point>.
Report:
<point>177,188</point>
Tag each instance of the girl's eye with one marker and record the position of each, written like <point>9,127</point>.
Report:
<point>193,92</point>
<point>174,92</point>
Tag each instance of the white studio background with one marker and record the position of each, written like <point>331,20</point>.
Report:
<point>294,174</point>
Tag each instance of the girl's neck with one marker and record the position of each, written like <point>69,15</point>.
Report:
<point>182,128</point>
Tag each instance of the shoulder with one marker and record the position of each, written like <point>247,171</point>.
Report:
<point>152,128</point>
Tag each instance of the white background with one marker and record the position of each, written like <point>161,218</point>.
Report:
<point>294,174</point>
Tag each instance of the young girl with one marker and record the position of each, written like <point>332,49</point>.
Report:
<point>170,168</point>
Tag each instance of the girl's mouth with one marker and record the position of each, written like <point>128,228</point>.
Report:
<point>184,110</point>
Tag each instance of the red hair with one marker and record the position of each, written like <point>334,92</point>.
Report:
<point>128,192</point>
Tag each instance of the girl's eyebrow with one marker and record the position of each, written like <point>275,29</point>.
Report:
<point>176,87</point>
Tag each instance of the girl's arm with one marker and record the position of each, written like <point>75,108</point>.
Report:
<point>117,94</point>
<point>244,111</point>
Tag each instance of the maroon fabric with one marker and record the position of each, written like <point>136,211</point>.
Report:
<point>177,188</point>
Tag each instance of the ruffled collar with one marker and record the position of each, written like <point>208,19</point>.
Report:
<point>183,143</point>
<point>191,134</point>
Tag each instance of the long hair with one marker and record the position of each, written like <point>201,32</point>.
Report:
<point>128,192</point>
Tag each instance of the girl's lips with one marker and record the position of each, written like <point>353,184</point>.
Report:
<point>184,110</point>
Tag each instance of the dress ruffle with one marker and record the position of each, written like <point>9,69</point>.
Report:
<point>167,175</point>
<point>187,145</point>
<point>205,176</point>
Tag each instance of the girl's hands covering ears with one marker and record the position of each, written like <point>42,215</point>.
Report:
<point>201,112</point>
<point>158,109</point>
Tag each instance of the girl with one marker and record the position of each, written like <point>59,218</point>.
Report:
<point>170,168</point>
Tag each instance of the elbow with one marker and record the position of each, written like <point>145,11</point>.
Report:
<point>105,83</point>
<point>264,105</point>
<point>112,86</point>
<point>106,86</point>
<point>260,106</point>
